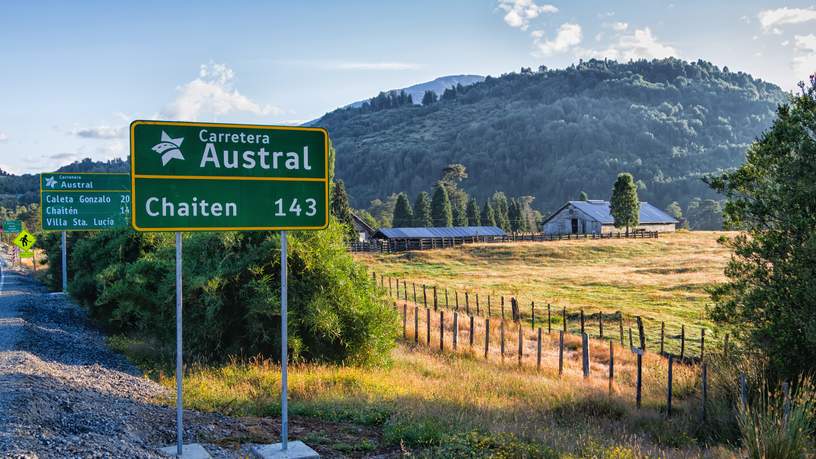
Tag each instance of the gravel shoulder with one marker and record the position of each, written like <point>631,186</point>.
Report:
<point>65,394</point>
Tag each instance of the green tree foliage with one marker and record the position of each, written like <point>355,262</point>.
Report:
<point>624,204</point>
<point>231,292</point>
<point>668,122</point>
<point>705,214</point>
<point>340,207</point>
<point>488,215</point>
<point>459,214</point>
<point>386,101</point>
<point>473,216</point>
<point>583,196</point>
<point>383,211</point>
<point>769,299</point>
<point>429,98</point>
<point>501,208</point>
<point>441,207</point>
<point>368,218</point>
<point>675,210</point>
<point>422,211</point>
<point>403,214</point>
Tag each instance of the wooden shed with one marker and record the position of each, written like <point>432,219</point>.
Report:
<point>594,217</point>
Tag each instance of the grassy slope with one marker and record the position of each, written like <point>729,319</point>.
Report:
<point>659,279</point>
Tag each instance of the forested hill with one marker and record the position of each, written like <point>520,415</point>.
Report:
<point>554,133</point>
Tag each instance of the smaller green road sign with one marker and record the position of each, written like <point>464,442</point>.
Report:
<point>223,177</point>
<point>84,201</point>
<point>12,226</point>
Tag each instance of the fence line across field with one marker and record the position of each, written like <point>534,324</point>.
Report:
<point>402,245</point>
<point>596,324</point>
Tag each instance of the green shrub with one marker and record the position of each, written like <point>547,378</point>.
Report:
<point>231,291</point>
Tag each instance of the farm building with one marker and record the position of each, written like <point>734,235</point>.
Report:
<point>426,238</point>
<point>594,217</point>
<point>364,231</point>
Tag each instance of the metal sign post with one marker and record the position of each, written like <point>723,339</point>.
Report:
<point>284,348</point>
<point>179,368</point>
<point>64,265</point>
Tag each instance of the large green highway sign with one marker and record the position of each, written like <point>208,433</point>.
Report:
<point>204,176</point>
<point>84,201</point>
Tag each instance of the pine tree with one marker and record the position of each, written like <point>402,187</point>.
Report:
<point>422,211</point>
<point>474,219</point>
<point>624,205</point>
<point>340,206</point>
<point>488,215</point>
<point>403,214</point>
<point>429,97</point>
<point>501,208</point>
<point>459,214</point>
<point>583,196</point>
<point>441,211</point>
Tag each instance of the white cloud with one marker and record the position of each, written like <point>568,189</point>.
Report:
<point>804,62</point>
<point>211,95</point>
<point>785,43</point>
<point>519,13</point>
<point>619,26</point>
<point>568,35</point>
<point>640,44</point>
<point>770,19</point>
<point>374,66</point>
<point>101,132</point>
<point>3,136</point>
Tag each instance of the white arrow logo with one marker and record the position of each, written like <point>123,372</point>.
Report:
<point>50,182</point>
<point>169,148</point>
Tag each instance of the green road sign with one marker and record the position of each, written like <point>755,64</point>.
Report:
<point>12,226</point>
<point>84,201</point>
<point>205,176</point>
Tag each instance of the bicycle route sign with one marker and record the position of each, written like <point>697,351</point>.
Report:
<point>84,201</point>
<point>189,176</point>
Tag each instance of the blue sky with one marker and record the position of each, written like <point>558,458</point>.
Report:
<point>74,74</point>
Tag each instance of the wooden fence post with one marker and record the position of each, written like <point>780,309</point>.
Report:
<point>416,324</point>
<point>436,303</point>
<point>501,336</point>
<point>455,330</point>
<point>600,323</point>
<point>532,312</point>
<point>702,344</point>
<point>467,303</point>
<point>538,350</point>
<point>441,330</point>
<point>471,331</point>
<point>424,295</point>
<point>682,342</point>
<point>560,353</point>
<point>705,391</point>
<point>611,365</point>
<point>631,343</point>
<point>390,287</point>
<point>487,337</point>
<point>397,291</point>
<point>405,321</point>
<point>662,335</point>
<point>446,298</point>
<point>620,324</point>
<point>549,319</point>
<point>428,326</point>
<point>456,298</point>
<point>405,289</point>
<point>585,354</point>
<point>415,297</point>
<point>478,312</point>
<point>520,344</point>
<point>489,311</point>
<point>564,315</point>
<point>669,390</point>
<point>502,307</point>
<point>382,281</point>
<point>639,383</point>
<point>641,334</point>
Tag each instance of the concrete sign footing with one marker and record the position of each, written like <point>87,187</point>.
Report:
<point>191,451</point>
<point>295,450</point>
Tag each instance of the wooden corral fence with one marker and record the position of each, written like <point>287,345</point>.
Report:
<point>402,245</point>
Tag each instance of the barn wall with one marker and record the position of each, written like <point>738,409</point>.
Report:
<point>561,223</point>
<point>660,228</point>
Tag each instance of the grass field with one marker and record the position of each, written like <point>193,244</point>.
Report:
<point>661,279</point>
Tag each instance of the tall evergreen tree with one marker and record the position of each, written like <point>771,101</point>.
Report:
<point>474,219</point>
<point>429,97</point>
<point>488,215</point>
<point>422,211</point>
<point>340,206</point>
<point>459,214</point>
<point>403,214</point>
<point>624,205</point>
<point>501,207</point>
<point>441,207</point>
<point>768,301</point>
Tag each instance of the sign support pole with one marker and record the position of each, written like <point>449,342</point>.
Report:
<point>284,348</point>
<point>179,369</point>
<point>64,265</point>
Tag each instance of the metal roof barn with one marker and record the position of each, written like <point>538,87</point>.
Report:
<point>429,233</point>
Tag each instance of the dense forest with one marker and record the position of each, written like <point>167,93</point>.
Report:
<point>551,134</point>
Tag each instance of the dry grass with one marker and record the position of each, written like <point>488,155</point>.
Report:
<point>661,280</point>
